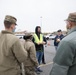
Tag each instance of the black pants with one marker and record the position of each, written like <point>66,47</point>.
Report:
<point>43,58</point>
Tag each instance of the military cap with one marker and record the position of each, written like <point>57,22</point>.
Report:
<point>10,19</point>
<point>72,17</point>
<point>28,34</point>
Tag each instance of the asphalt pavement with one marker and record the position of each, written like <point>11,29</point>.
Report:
<point>49,55</point>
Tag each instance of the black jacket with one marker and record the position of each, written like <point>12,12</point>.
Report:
<point>39,47</point>
<point>60,37</point>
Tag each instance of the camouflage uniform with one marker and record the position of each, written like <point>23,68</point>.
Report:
<point>31,61</point>
<point>11,51</point>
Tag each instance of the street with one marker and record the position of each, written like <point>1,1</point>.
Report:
<point>49,55</point>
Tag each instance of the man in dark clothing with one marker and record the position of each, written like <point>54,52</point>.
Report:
<point>58,38</point>
<point>39,42</point>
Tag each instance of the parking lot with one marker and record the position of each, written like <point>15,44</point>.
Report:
<point>49,55</point>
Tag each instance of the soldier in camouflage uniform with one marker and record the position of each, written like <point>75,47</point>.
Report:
<point>12,53</point>
<point>31,61</point>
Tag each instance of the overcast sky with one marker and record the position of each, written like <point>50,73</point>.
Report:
<point>29,12</point>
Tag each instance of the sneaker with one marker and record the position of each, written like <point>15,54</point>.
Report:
<point>38,69</point>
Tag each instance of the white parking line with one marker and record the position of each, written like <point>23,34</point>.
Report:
<point>45,64</point>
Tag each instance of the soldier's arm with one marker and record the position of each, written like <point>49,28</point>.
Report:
<point>33,55</point>
<point>63,59</point>
<point>19,51</point>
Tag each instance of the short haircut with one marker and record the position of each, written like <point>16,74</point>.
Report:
<point>59,30</point>
<point>7,24</point>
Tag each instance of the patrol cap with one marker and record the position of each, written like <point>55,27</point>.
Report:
<point>71,17</point>
<point>10,19</point>
<point>28,34</point>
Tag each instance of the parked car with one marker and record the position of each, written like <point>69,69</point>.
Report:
<point>20,36</point>
<point>52,37</point>
<point>47,36</point>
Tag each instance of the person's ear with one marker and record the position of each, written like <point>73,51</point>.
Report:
<point>12,26</point>
<point>70,24</point>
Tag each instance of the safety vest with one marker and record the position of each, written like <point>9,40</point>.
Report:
<point>37,40</point>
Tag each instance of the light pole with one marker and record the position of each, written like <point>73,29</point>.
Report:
<point>41,22</point>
